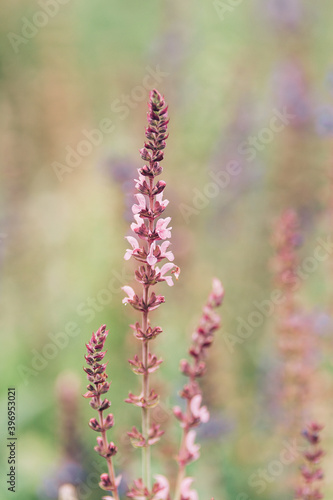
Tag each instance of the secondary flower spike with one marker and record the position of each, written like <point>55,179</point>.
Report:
<point>312,473</point>
<point>195,413</point>
<point>149,246</point>
<point>97,387</point>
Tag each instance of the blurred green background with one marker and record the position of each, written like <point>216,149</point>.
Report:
<point>226,70</point>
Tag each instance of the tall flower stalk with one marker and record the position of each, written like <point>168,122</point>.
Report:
<point>151,249</point>
<point>295,334</point>
<point>195,414</point>
<point>96,388</point>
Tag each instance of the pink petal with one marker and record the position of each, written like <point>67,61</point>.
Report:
<point>185,490</point>
<point>185,486</point>
<point>138,223</point>
<point>166,268</point>
<point>204,415</point>
<point>198,412</point>
<point>140,180</point>
<point>164,254</point>
<point>134,244</point>
<point>130,292</point>
<point>195,404</point>
<point>161,228</point>
<point>128,254</point>
<point>163,494</point>
<point>132,241</point>
<point>190,444</point>
<point>151,259</point>
<point>169,256</point>
<point>164,246</point>
<point>142,204</point>
<point>159,197</point>
<point>168,280</point>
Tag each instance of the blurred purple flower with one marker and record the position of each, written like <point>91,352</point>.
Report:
<point>286,13</point>
<point>217,427</point>
<point>324,120</point>
<point>322,324</point>
<point>121,171</point>
<point>291,91</point>
<point>68,473</point>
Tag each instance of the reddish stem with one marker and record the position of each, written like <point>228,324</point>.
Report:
<point>108,459</point>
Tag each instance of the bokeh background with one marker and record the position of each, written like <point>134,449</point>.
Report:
<point>226,70</point>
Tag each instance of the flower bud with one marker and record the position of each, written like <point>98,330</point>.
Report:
<point>108,422</point>
<point>105,482</point>
<point>112,450</point>
<point>94,425</point>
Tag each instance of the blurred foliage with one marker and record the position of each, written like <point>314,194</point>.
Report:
<point>62,239</point>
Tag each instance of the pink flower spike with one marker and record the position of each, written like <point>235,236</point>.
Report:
<point>151,259</point>
<point>136,209</point>
<point>192,448</point>
<point>163,483</point>
<point>166,254</point>
<point>185,491</point>
<point>201,413</point>
<point>162,230</point>
<point>135,246</point>
<point>130,292</point>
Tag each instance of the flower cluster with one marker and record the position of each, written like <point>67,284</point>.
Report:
<point>149,248</point>
<point>195,413</point>
<point>98,386</point>
<point>311,472</point>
